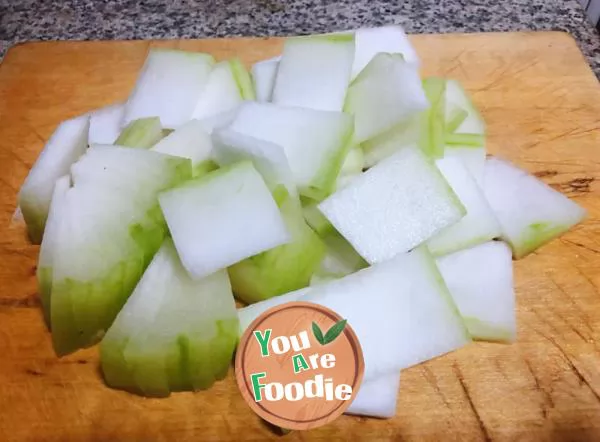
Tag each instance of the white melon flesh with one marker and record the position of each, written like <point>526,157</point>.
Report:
<point>174,333</point>
<point>168,86</point>
<point>107,166</point>
<point>394,206</point>
<point>314,72</point>
<point>48,246</point>
<point>530,212</point>
<point>479,225</point>
<point>286,267</point>
<point>248,314</point>
<point>264,74</point>
<point>377,397</point>
<point>386,93</point>
<point>223,91</point>
<point>315,142</point>
<point>219,121</point>
<point>110,228</point>
<point>405,296</point>
<point>403,135</point>
<point>191,141</point>
<point>457,99</point>
<point>472,157</point>
<point>68,142</point>
<point>480,280</point>
<point>268,158</point>
<point>371,41</point>
<point>105,124</point>
<point>222,218</point>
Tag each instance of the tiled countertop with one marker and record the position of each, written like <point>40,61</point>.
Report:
<point>27,20</point>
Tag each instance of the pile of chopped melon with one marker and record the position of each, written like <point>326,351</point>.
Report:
<point>332,174</point>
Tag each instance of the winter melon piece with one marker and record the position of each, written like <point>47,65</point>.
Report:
<point>315,142</point>
<point>169,86</point>
<point>386,93</point>
<point>110,228</point>
<point>314,72</point>
<point>48,246</point>
<point>530,212</point>
<point>371,41</point>
<point>394,206</point>
<point>480,280</point>
<point>174,333</point>
<point>68,142</point>
<point>479,225</point>
<point>222,218</point>
<point>192,141</point>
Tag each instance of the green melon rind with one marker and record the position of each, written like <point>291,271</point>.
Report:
<point>443,288</point>
<point>471,242</point>
<point>457,100</point>
<point>186,362</point>
<point>94,310</point>
<point>536,235</point>
<point>204,168</point>
<point>165,348</point>
<point>455,119</point>
<point>324,181</point>
<point>243,79</point>
<point>432,139</point>
<point>284,268</point>
<point>143,133</point>
<point>316,220</point>
<point>92,305</point>
<point>466,140</point>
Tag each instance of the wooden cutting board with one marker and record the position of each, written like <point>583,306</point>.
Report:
<point>542,106</point>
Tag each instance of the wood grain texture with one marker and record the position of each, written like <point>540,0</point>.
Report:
<point>542,105</point>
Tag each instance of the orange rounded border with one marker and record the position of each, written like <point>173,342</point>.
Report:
<point>242,377</point>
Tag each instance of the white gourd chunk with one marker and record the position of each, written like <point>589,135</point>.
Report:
<point>386,93</point>
<point>377,397</point>
<point>479,225</point>
<point>222,218</point>
<point>405,296</point>
<point>530,212</point>
<point>315,142</point>
<point>223,91</point>
<point>480,280</point>
<point>264,74</point>
<point>168,87</point>
<point>472,157</point>
<point>390,39</point>
<point>394,206</point>
<point>68,142</point>
<point>192,141</point>
<point>314,72</point>
<point>174,333</point>
<point>105,124</point>
<point>110,228</point>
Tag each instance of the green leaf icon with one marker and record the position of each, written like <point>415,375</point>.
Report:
<point>331,334</point>
<point>334,331</point>
<point>318,333</point>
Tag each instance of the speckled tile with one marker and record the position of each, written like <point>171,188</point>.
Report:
<point>143,19</point>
